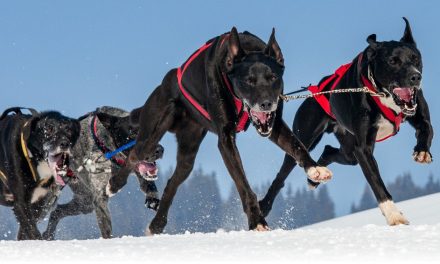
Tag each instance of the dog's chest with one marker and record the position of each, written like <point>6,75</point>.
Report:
<point>385,128</point>
<point>43,170</point>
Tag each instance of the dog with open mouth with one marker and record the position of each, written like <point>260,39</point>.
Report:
<point>102,131</point>
<point>231,81</point>
<point>35,163</point>
<point>393,71</point>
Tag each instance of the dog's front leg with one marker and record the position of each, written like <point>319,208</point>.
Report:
<point>287,141</point>
<point>231,157</point>
<point>365,135</point>
<point>421,121</point>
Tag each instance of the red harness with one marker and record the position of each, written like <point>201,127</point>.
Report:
<point>390,115</point>
<point>243,116</point>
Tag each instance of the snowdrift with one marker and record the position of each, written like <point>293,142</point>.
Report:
<point>362,237</point>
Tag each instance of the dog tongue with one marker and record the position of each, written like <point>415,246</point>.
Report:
<point>261,116</point>
<point>59,180</point>
<point>404,94</point>
<point>147,168</point>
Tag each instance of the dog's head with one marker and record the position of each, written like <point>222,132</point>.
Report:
<point>124,129</point>
<point>119,127</point>
<point>396,68</point>
<point>256,77</point>
<point>53,135</point>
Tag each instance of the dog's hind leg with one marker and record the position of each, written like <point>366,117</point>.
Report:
<point>309,125</point>
<point>103,216</point>
<point>189,136</point>
<point>343,155</point>
<point>78,205</point>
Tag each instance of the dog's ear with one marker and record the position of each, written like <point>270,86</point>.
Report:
<point>135,115</point>
<point>371,39</point>
<point>371,51</point>
<point>407,35</point>
<point>235,51</point>
<point>273,49</point>
<point>107,120</point>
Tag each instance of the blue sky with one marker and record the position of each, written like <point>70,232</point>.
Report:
<point>74,56</point>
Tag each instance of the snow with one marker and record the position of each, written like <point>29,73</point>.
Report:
<point>361,237</point>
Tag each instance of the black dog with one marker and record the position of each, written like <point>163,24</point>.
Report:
<point>102,131</point>
<point>234,79</point>
<point>35,153</point>
<point>392,69</point>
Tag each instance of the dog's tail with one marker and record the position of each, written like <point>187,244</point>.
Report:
<point>134,116</point>
<point>17,111</point>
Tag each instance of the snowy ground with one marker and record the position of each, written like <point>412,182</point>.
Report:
<point>360,238</point>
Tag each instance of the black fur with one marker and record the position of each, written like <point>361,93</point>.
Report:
<point>45,134</point>
<point>255,71</point>
<point>393,64</point>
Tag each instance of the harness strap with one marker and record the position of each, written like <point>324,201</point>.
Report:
<point>387,112</point>
<point>3,178</point>
<point>324,102</point>
<point>243,116</point>
<point>100,144</point>
<point>26,152</point>
<point>185,93</point>
<point>322,99</point>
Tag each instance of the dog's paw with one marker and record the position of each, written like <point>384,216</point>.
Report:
<point>48,236</point>
<point>392,214</point>
<point>262,228</point>
<point>108,190</point>
<point>319,174</point>
<point>152,203</point>
<point>148,232</point>
<point>423,157</point>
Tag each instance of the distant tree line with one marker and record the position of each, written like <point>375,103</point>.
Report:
<point>198,207</point>
<point>403,188</point>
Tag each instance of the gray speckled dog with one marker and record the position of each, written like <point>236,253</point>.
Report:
<point>103,130</point>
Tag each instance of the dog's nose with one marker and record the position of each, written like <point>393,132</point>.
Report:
<point>266,106</point>
<point>416,78</point>
<point>64,144</point>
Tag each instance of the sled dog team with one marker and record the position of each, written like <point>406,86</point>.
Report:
<point>233,80</point>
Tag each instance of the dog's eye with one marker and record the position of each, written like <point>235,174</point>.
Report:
<point>251,81</point>
<point>49,129</point>
<point>393,61</point>
<point>272,77</point>
<point>415,59</point>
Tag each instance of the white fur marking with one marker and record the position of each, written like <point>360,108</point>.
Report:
<point>107,190</point>
<point>44,170</point>
<point>392,214</point>
<point>39,193</point>
<point>388,101</point>
<point>385,128</point>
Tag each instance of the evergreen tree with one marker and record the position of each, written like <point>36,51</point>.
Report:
<point>198,205</point>
<point>432,186</point>
<point>367,201</point>
<point>233,217</point>
<point>325,204</point>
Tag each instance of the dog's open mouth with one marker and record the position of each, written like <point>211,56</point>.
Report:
<point>148,170</point>
<point>405,98</point>
<point>59,164</point>
<point>263,121</point>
